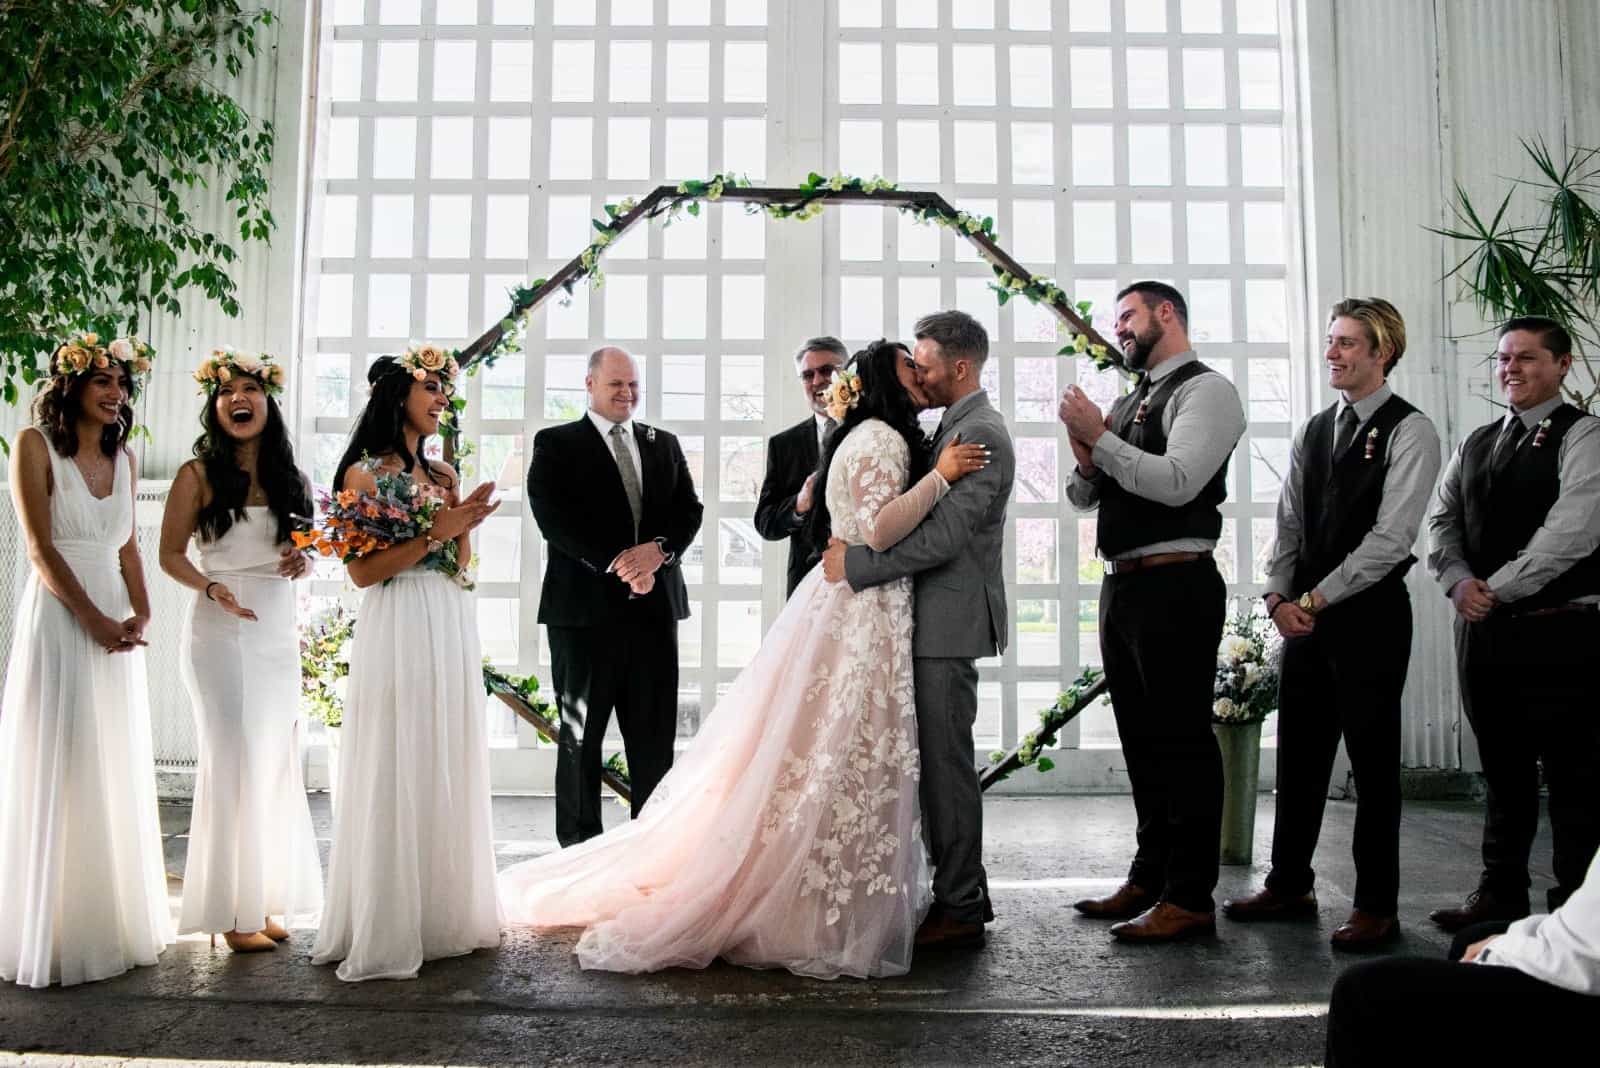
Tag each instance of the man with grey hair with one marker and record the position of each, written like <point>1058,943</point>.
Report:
<point>617,507</point>
<point>960,617</point>
<point>792,456</point>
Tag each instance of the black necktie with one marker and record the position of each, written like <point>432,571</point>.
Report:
<point>1505,446</point>
<point>1345,431</point>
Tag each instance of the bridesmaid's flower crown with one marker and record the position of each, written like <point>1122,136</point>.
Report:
<point>421,359</point>
<point>843,393</point>
<point>226,362</point>
<point>83,354</point>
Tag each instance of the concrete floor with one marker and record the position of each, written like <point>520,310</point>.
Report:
<point>1050,988</point>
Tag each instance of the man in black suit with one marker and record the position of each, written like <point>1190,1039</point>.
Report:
<point>617,507</point>
<point>792,457</point>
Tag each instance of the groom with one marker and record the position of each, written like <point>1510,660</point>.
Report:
<point>960,617</point>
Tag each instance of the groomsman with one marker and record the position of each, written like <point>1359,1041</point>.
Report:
<point>1516,546</point>
<point>1157,469</point>
<point>789,489</point>
<point>1360,475</point>
<point>617,507</point>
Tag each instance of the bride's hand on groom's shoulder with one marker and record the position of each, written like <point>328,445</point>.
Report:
<point>833,560</point>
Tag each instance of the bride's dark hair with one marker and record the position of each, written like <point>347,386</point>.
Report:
<point>884,398</point>
<point>380,428</point>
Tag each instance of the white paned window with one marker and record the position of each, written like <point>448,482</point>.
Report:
<point>470,142</point>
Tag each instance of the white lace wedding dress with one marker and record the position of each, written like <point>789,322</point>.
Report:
<point>789,834</point>
<point>83,892</point>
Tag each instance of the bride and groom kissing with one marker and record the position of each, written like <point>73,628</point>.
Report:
<point>827,817</point>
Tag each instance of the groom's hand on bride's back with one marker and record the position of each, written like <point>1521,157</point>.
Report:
<point>833,560</point>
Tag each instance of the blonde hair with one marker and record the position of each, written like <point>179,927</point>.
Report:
<point>1385,328</point>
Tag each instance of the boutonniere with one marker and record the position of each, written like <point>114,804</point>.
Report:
<point>1142,411</point>
<point>650,434</point>
<point>1372,444</point>
<point>1539,435</point>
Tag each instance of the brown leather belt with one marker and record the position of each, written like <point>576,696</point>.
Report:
<point>1139,563</point>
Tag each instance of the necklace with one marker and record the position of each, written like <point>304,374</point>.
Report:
<point>90,478</point>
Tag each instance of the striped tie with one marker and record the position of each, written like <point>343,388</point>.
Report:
<point>630,476</point>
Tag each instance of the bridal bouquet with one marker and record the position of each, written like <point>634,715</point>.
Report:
<point>358,524</point>
<point>1246,689</point>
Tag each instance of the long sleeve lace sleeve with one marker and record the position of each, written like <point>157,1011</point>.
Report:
<point>883,514</point>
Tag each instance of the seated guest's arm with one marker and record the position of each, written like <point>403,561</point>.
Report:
<point>1563,948</point>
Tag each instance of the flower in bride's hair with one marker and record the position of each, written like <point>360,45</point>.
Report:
<point>121,350</point>
<point>843,393</point>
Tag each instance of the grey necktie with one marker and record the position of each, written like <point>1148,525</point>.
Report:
<point>1345,432</point>
<point>630,476</point>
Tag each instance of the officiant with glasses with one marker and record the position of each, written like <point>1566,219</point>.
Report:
<point>789,488</point>
<point>1516,547</point>
<point>617,507</point>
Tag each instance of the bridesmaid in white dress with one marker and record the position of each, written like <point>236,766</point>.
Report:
<point>83,893</point>
<point>412,875</point>
<point>252,850</point>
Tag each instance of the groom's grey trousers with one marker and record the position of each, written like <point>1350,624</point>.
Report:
<point>960,617</point>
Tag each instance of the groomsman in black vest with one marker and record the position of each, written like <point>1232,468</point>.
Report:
<point>789,489</point>
<point>616,505</point>
<point>1360,476</point>
<point>1516,545</point>
<point>1157,469</point>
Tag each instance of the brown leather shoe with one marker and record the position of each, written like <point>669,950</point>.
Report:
<point>1266,905</point>
<point>1481,905</point>
<point>1165,922</point>
<point>1125,904</point>
<point>1364,931</point>
<point>942,932</point>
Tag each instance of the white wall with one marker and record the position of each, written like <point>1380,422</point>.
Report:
<point>1403,100</point>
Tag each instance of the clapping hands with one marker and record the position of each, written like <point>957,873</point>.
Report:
<point>1085,423</point>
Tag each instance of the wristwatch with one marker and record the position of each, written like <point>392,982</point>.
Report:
<point>666,557</point>
<point>1308,603</point>
<point>434,545</point>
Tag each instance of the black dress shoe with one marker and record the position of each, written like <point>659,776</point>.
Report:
<point>1480,907</point>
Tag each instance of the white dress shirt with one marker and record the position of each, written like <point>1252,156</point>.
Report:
<point>604,425</point>
<point>1563,948</point>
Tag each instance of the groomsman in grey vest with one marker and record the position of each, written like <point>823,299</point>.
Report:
<point>1361,473</point>
<point>1516,546</point>
<point>955,555</point>
<point>789,488</point>
<point>1157,469</point>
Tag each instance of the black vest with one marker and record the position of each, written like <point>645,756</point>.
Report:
<point>1127,521</point>
<point>1340,496</point>
<point>1502,511</point>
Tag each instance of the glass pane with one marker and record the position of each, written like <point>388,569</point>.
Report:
<point>1030,14</point>
<point>1037,477</point>
<point>506,230</point>
<point>683,387</point>
<point>1149,155</point>
<point>1094,225</point>
<point>511,70</point>
<point>1147,77</point>
<point>628,149</point>
<point>860,14</point>
<point>1205,154</point>
<point>1263,532</point>
<point>571,148</point>
<point>568,318</point>
<point>1093,155</point>
<point>1090,16</point>
<point>627,305</point>
<point>1038,559</point>
<point>975,157</point>
<point>744,74</point>
<point>742,380</point>
<point>744,147</point>
<point>738,632</point>
<point>1036,394</point>
<point>918,297</point>
<point>1202,16</point>
<point>510,142</point>
<point>569,226</point>
<point>1263,232</point>
<point>972,14</point>
<point>343,143</point>
<point>504,387</point>
<point>397,70</point>
<point>1091,81</point>
<point>972,71</point>
<point>860,232</point>
<point>1261,155</point>
<point>1269,463</point>
<point>918,152</point>
<point>338,239</point>
<point>1256,16</point>
<point>1031,85</point>
<point>630,71</point>
<point>688,71</point>
<point>1269,390</point>
<point>449,226</point>
<point>334,297</point>
<point>1089,566</point>
<point>1210,309</point>
<point>916,73</point>
<point>1150,226</point>
<point>1209,236</point>
<point>861,147</point>
<point>1144,16</point>
<point>685,239</point>
<point>497,628</point>
<point>1033,232</point>
<point>860,72</point>
<point>1031,322</point>
<point>455,70</point>
<point>683,306</point>
<point>1039,633</point>
<point>916,14</point>
<point>447,306</point>
<point>916,241</point>
<point>394,149</point>
<point>1266,309</point>
<point>744,306</point>
<point>860,307</point>
<point>1204,85</point>
<point>497,548</point>
<point>742,468</point>
<point>389,305</point>
<point>572,71</point>
<point>688,150</point>
<point>1259,86</point>
<point>740,545</point>
<point>689,12</point>
<point>332,390</point>
<point>344,73</point>
<point>744,236</point>
<point>1032,153</point>
<point>564,396</point>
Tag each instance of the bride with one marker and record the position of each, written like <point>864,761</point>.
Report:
<point>789,834</point>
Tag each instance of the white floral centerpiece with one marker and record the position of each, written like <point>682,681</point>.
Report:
<point>1246,688</point>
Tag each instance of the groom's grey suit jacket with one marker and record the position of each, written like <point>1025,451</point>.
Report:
<point>955,553</point>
